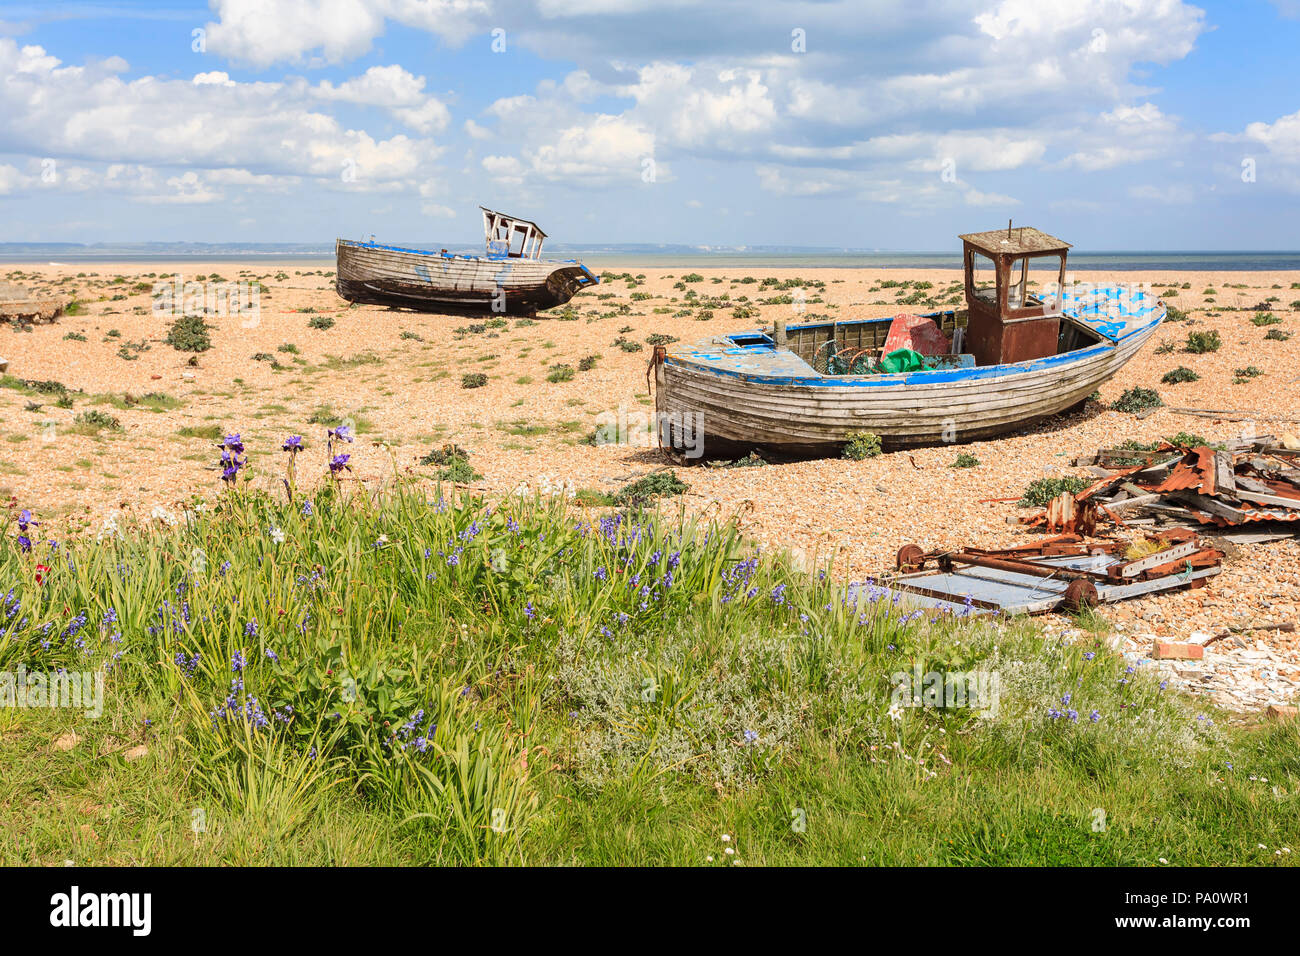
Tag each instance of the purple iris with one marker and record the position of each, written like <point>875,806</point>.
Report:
<point>24,519</point>
<point>341,433</point>
<point>293,443</point>
<point>339,462</point>
<point>233,443</point>
<point>230,465</point>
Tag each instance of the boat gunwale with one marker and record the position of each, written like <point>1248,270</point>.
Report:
<point>927,377</point>
<point>487,257</point>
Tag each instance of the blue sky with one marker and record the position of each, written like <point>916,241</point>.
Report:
<point>1117,124</point>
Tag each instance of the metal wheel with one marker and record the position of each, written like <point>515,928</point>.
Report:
<point>1081,593</point>
<point>910,558</point>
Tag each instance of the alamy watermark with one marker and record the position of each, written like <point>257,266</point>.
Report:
<point>975,690</point>
<point>176,297</point>
<point>681,431</point>
<point>83,690</point>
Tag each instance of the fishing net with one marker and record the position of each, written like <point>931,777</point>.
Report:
<point>835,358</point>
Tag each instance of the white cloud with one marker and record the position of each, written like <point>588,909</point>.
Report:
<point>394,89</point>
<point>208,123</point>
<point>1171,194</point>
<point>1280,138</point>
<point>263,32</point>
<point>10,179</point>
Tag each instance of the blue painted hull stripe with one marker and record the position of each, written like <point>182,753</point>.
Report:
<point>938,376</point>
<point>450,255</point>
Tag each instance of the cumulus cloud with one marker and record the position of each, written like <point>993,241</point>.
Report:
<point>263,32</point>
<point>210,122</point>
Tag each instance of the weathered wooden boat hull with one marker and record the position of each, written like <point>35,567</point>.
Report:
<point>794,415</point>
<point>432,282</point>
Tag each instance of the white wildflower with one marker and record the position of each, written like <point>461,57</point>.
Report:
<point>160,513</point>
<point>277,535</point>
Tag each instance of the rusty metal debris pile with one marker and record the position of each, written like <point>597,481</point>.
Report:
<point>1243,482</point>
<point>1063,571</point>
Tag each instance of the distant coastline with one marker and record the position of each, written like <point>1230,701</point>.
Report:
<point>647,255</point>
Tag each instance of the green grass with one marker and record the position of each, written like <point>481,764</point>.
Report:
<point>458,680</point>
<point>208,432</point>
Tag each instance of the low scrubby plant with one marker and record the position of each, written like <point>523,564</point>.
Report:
<point>1042,490</point>
<point>861,445</point>
<point>1178,375</point>
<point>1206,341</point>
<point>1137,399</point>
<point>473,380</point>
<point>189,333</point>
<point>658,484</point>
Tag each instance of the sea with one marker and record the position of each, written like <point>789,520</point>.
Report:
<point>655,258</point>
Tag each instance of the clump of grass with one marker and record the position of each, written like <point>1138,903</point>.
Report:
<point>560,373</point>
<point>1165,347</point>
<point>593,498</point>
<point>1277,335</point>
<point>1137,399</point>
<point>321,322</point>
<point>965,460</point>
<point>627,345</point>
<point>473,380</point>
<point>189,333</point>
<point>74,337</point>
<point>411,335</point>
<point>288,348</point>
<point>1205,341</point>
<point>659,338</point>
<point>1180,374</point>
<point>1268,318</point>
<point>207,432</point>
<point>1042,490</point>
<point>861,445</point>
<point>1250,371</point>
<point>588,362</point>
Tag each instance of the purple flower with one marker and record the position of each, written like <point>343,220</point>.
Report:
<point>237,661</point>
<point>293,443</point>
<point>528,611</point>
<point>234,443</point>
<point>342,433</point>
<point>339,462</point>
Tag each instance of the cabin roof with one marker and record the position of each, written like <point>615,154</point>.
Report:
<point>514,220</point>
<point>1018,241</point>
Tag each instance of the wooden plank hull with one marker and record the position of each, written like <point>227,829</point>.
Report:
<point>911,409</point>
<point>431,282</point>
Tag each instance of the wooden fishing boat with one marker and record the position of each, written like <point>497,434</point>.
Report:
<point>1017,357</point>
<point>511,278</point>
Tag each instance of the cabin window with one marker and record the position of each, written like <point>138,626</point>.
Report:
<point>1018,295</point>
<point>984,278</point>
